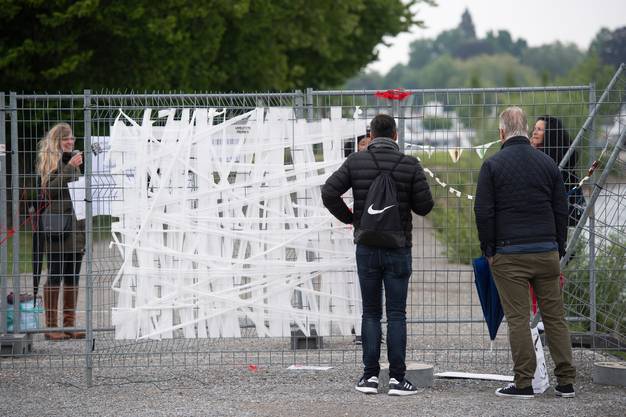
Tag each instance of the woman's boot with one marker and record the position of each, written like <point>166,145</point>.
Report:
<point>70,296</point>
<point>51,305</point>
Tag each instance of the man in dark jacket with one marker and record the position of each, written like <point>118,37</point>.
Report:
<point>521,216</point>
<point>378,265</point>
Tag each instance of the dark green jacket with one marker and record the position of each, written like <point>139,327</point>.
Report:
<point>58,196</point>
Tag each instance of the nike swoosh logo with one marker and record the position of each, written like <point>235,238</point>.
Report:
<point>372,210</point>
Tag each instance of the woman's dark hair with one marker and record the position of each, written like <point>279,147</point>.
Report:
<point>556,141</point>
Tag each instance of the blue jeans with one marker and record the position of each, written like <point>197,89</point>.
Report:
<point>391,268</point>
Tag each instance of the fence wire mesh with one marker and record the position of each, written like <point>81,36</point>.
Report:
<point>450,131</point>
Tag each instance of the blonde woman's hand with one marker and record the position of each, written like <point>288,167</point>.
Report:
<point>77,160</point>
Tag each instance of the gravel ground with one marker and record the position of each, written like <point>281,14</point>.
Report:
<point>180,382</point>
<point>275,391</point>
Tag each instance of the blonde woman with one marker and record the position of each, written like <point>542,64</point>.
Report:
<point>57,164</point>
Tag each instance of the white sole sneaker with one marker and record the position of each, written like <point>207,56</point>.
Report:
<point>521,397</point>
<point>367,390</point>
<point>399,392</point>
<point>565,394</point>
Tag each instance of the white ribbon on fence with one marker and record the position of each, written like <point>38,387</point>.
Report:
<point>216,230</point>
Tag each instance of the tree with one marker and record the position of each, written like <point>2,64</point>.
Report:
<point>591,69</point>
<point>495,71</point>
<point>436,74</point>
<point>503,43</point>
<point>610,46</point>
<point>422,52</point>
<point>221,45</point>
<point>553,59</point>
<point>448,42</point>
<point>467,25</point>
<point>365,81</point>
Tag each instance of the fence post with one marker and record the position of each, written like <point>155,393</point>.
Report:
<point>88,241</point>
<point>592,115</point>
<point>399,110</point>
<point>619,146</point>
<point>3,220</point>
<point>15,213</point>
<point>309,104</point>
<point>592,224</point>
<point>299,105</point>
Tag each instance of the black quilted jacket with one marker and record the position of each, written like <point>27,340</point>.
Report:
<point>520,198</point>
<point>359,171</point>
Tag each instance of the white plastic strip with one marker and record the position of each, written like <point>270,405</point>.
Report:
<point>221,225</point>
<point>470,375</point>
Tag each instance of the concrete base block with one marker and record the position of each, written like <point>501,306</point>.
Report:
<point>610,373</point>
<point>420,374</point>
<point>594,341</point>
<point>300,341</point>
<point>16,344</point>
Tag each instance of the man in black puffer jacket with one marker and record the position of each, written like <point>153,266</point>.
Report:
<point>377,265</point>
<point>521,216</point>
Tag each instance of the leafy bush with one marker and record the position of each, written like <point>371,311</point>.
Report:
<point>610,285</point>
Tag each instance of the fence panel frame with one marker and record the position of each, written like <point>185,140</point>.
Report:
<point>304,104</point>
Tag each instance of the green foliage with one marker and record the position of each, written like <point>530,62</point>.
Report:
<point>437,123</point>
<point>365,81</point>
<point>503,43</point>
<point>610,288</point>
<point>589,69</point>
<point>221,45</point>
<point>461,43</point>
<point>552,60</point>
<point>455,227</point>
<point>619,354</point>
<point>610,46</point>
<point>496,70</point>
<point>448,72</point>
<point>452,217</point>
<point>422,51</point>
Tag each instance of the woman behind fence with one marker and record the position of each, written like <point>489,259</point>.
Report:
<point>57,164</point>
<point>552,138</point>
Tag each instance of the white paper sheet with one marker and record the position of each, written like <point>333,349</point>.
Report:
<point>103,192</point>
<point>309,368</point>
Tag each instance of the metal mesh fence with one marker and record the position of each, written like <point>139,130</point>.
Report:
<point>450,131</point>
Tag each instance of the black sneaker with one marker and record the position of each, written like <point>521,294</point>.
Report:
<point>403,387</point>
<point>512,391</point>
<point>368,386</point>
<point>565,391</point>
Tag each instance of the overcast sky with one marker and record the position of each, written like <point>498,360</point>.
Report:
<point>537,21</point>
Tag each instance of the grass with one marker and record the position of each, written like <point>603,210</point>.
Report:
<point>453,217</point>
<point>619,354</point>
<point>25,251</point>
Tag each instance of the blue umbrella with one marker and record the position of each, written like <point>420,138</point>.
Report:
<point>488,294</point>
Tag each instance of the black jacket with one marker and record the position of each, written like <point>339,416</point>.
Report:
<point>520,198</point>
<point>359,171</point>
